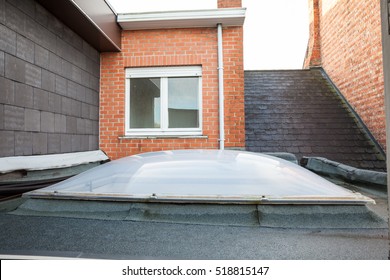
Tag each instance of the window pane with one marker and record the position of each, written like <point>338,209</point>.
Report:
<point>183,109</point>
<point>145,103</point>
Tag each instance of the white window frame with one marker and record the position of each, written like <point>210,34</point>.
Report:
<point>164,73</point>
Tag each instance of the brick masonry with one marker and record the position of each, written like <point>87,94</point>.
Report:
<point>313,52</point>
<point>349,35</point>
<point>49,84</point>
<point>229,3</point>
<point>175,47</point>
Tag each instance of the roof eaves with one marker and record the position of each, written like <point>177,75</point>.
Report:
<point>182,19</point>
<point>94,21</point>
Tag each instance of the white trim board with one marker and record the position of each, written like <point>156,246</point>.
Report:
<point>182,19</point>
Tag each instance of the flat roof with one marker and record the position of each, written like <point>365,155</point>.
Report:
<point>36,228</point>
<point>77,229</point>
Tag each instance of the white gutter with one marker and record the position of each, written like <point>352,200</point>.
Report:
<point>220,90</point>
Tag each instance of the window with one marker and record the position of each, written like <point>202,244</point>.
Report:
<point>164,101</point>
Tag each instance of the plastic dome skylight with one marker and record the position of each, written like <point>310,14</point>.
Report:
<point>202,176</point>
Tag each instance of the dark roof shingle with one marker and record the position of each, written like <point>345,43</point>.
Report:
<point>300,112</point>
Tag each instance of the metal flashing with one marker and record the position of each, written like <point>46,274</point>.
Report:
<point>52,161</point>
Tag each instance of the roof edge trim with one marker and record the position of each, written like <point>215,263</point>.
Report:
<point>182,19</point>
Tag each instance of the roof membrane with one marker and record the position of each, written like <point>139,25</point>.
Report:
<point>202,176</point>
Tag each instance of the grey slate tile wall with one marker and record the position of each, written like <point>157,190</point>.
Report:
<point>299,111</point>
<point>49,84</point>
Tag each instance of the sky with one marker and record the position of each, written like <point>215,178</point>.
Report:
<point>275,31</point>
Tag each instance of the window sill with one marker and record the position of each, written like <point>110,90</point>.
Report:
<point>124,137</point>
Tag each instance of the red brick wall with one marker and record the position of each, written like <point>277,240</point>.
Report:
<point>174,47</point>
<point>351,54</point>
<point>234,87</point>
<point>313,53</point>
<point>229,3</point>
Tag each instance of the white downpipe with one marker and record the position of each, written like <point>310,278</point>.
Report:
<point>220,90</point>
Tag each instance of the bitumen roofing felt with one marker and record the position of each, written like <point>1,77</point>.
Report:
<point>78,230</point>
<point>150,240</point>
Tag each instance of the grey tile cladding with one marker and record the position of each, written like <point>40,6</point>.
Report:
<point>49,84</point>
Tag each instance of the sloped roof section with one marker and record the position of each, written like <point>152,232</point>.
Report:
<point>300,112</point>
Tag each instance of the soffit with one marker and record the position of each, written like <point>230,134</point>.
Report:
<point>182,19</point>
<point>94,21</point>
